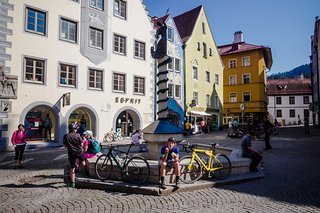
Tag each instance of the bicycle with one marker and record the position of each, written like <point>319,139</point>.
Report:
<point>113,136</point>
<point>192,166</point>
<point>137,169</point>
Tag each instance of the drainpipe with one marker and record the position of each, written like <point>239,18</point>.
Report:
<point>184,80</point>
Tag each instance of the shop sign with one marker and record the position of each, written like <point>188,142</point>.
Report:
<point>123,100</point>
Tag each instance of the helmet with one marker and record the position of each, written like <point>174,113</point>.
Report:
<point>72,126</point>
<point>172,139</point>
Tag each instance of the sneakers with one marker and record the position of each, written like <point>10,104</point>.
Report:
<point>163,186</point>
<point>71,185</point>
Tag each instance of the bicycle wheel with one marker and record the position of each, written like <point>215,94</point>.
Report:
<point>190,171</point>
<point>120,137</point>
<point>108,137</point>
<point>223,161</point>
<point>103,167</point>
<point>138,170</point>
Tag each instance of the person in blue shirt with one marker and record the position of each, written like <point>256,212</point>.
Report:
<point>169,158</point>
<point>249,152</point>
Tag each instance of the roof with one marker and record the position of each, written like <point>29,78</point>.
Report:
<point>289,86</point>
<point>161,20</point>
<point>185,22</point>
<point>244,47</point>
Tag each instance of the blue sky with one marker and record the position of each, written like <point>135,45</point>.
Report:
<point>283,25</point>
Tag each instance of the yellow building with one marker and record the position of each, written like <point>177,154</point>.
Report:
<point>244,79</point>
<point>203,67</point>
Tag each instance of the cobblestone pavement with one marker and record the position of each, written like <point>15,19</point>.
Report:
<point>291,183</point>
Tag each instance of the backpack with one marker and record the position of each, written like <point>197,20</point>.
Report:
<point>94,146</point>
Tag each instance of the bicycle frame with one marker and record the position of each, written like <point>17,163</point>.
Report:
<point>204,165</point>
<point>113,157</point>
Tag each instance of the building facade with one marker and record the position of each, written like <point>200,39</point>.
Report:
<point>289,100</point>
<point>87,61</point>
<point>244,80</point>
<point>203,68</point>
<point>315,73</point>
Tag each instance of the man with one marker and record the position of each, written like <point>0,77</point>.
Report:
<point>169,158</point>
<point>249,152</point>
<point>74,144</point>
<point>187,126</point>
<point>47,123</point>
<point>306,124</point>
<point>267,127</point>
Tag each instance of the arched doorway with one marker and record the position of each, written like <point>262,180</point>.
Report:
<point>85,119</point>
<point>127,121</point>
<point>40,123</point>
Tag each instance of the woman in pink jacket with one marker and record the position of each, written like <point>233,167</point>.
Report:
<point>19,142</point>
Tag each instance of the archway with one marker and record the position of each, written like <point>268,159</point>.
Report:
<point>85,118</point>
<point>127,121</point>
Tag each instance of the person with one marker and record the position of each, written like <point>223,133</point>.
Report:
<point>229,127</point>
<point>276,125</point>
<point>249,152</point>
<point>19,142</point>
<point>306,124</point>
<point>169,158</point>
<point>47,124</point>
<point>299,120</point>
<point>187,127</point>
<point>88,135</point>
<point>267,127</point>
<point>136,137</point>
<point>203,125</point>
<point>235,124</point>
<point>74,144</point>
<point>83,122</point>
<point>209,124</point>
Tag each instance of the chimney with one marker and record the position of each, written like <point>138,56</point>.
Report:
<point>238,37</point>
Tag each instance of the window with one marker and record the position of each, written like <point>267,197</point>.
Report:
<point>119,44</point>
<point>203,28</point>
<point>67,75</point>
<point>177,91</point>
<point>195,73</point>
<point>232,63</point>
<point>306,100</point>
<point>170,91</point>
<point>119,82</point>
<point>96,38</point>
<point>204,50</point>
<point>210,51</point>
<point>198,46</point>
<point>207,100</point>
<point>98,4</point>
<point>120,9</point>
<point>216,79</point>
<point>246,78</point>
<point>216,101</point>
<point>246,61</point>
<point>95,79</point>
<point>68,30</point>
<point>278,100</point>
<point>279,113</point>
<point>246,96</point>
<point>36,21</point>
<point>208,76</point>
<point>139,50</point>
<point>232,79</point>
<point>170,34</point>
<point>292,113</point>
<point>170,65</point>
<point>177,64</point>
<point>195,97</point>
<point>291,100</point>
<point>34,70</point>
<point>139,85</point>
<point>233,97</point>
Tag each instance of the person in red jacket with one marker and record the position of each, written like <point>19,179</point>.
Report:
<point>19,142</point>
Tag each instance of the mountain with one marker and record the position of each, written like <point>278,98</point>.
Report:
<point>295,72</point>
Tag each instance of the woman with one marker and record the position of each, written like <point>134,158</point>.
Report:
<point>19,142</point>
<point>88,135</point>
<point>136,137</point>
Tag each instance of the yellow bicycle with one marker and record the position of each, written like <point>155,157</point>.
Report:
<point>192,166</point>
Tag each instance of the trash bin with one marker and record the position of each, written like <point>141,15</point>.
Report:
<point>283,122</point>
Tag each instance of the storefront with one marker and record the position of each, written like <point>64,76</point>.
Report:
<point>127,121</point>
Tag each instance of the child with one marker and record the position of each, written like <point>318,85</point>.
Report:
<point>170,158</point>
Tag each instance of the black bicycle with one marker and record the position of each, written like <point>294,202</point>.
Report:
<point>132,169</point>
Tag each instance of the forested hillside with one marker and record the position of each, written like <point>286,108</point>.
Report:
<point>296,72</point>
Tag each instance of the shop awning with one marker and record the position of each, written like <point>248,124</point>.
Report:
<point>200,113</point>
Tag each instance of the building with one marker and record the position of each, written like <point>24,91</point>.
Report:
<point>244,79</point>
<point>176,93</point>
<point>87,61</point>
<point>289,100</point>
<point>203,67</point>
<point>315,72</point>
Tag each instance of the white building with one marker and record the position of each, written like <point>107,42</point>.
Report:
<point>289,100</point>
<point>95,52</point>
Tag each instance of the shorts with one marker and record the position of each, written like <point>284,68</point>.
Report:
<point>170,164</point>
<point>73,160</point>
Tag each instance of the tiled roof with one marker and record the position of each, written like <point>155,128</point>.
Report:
<point>289,86</point>
<point>161,20</point>
<point>186,21</point>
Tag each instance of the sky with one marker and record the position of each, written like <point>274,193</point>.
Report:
<point>285,26</point>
